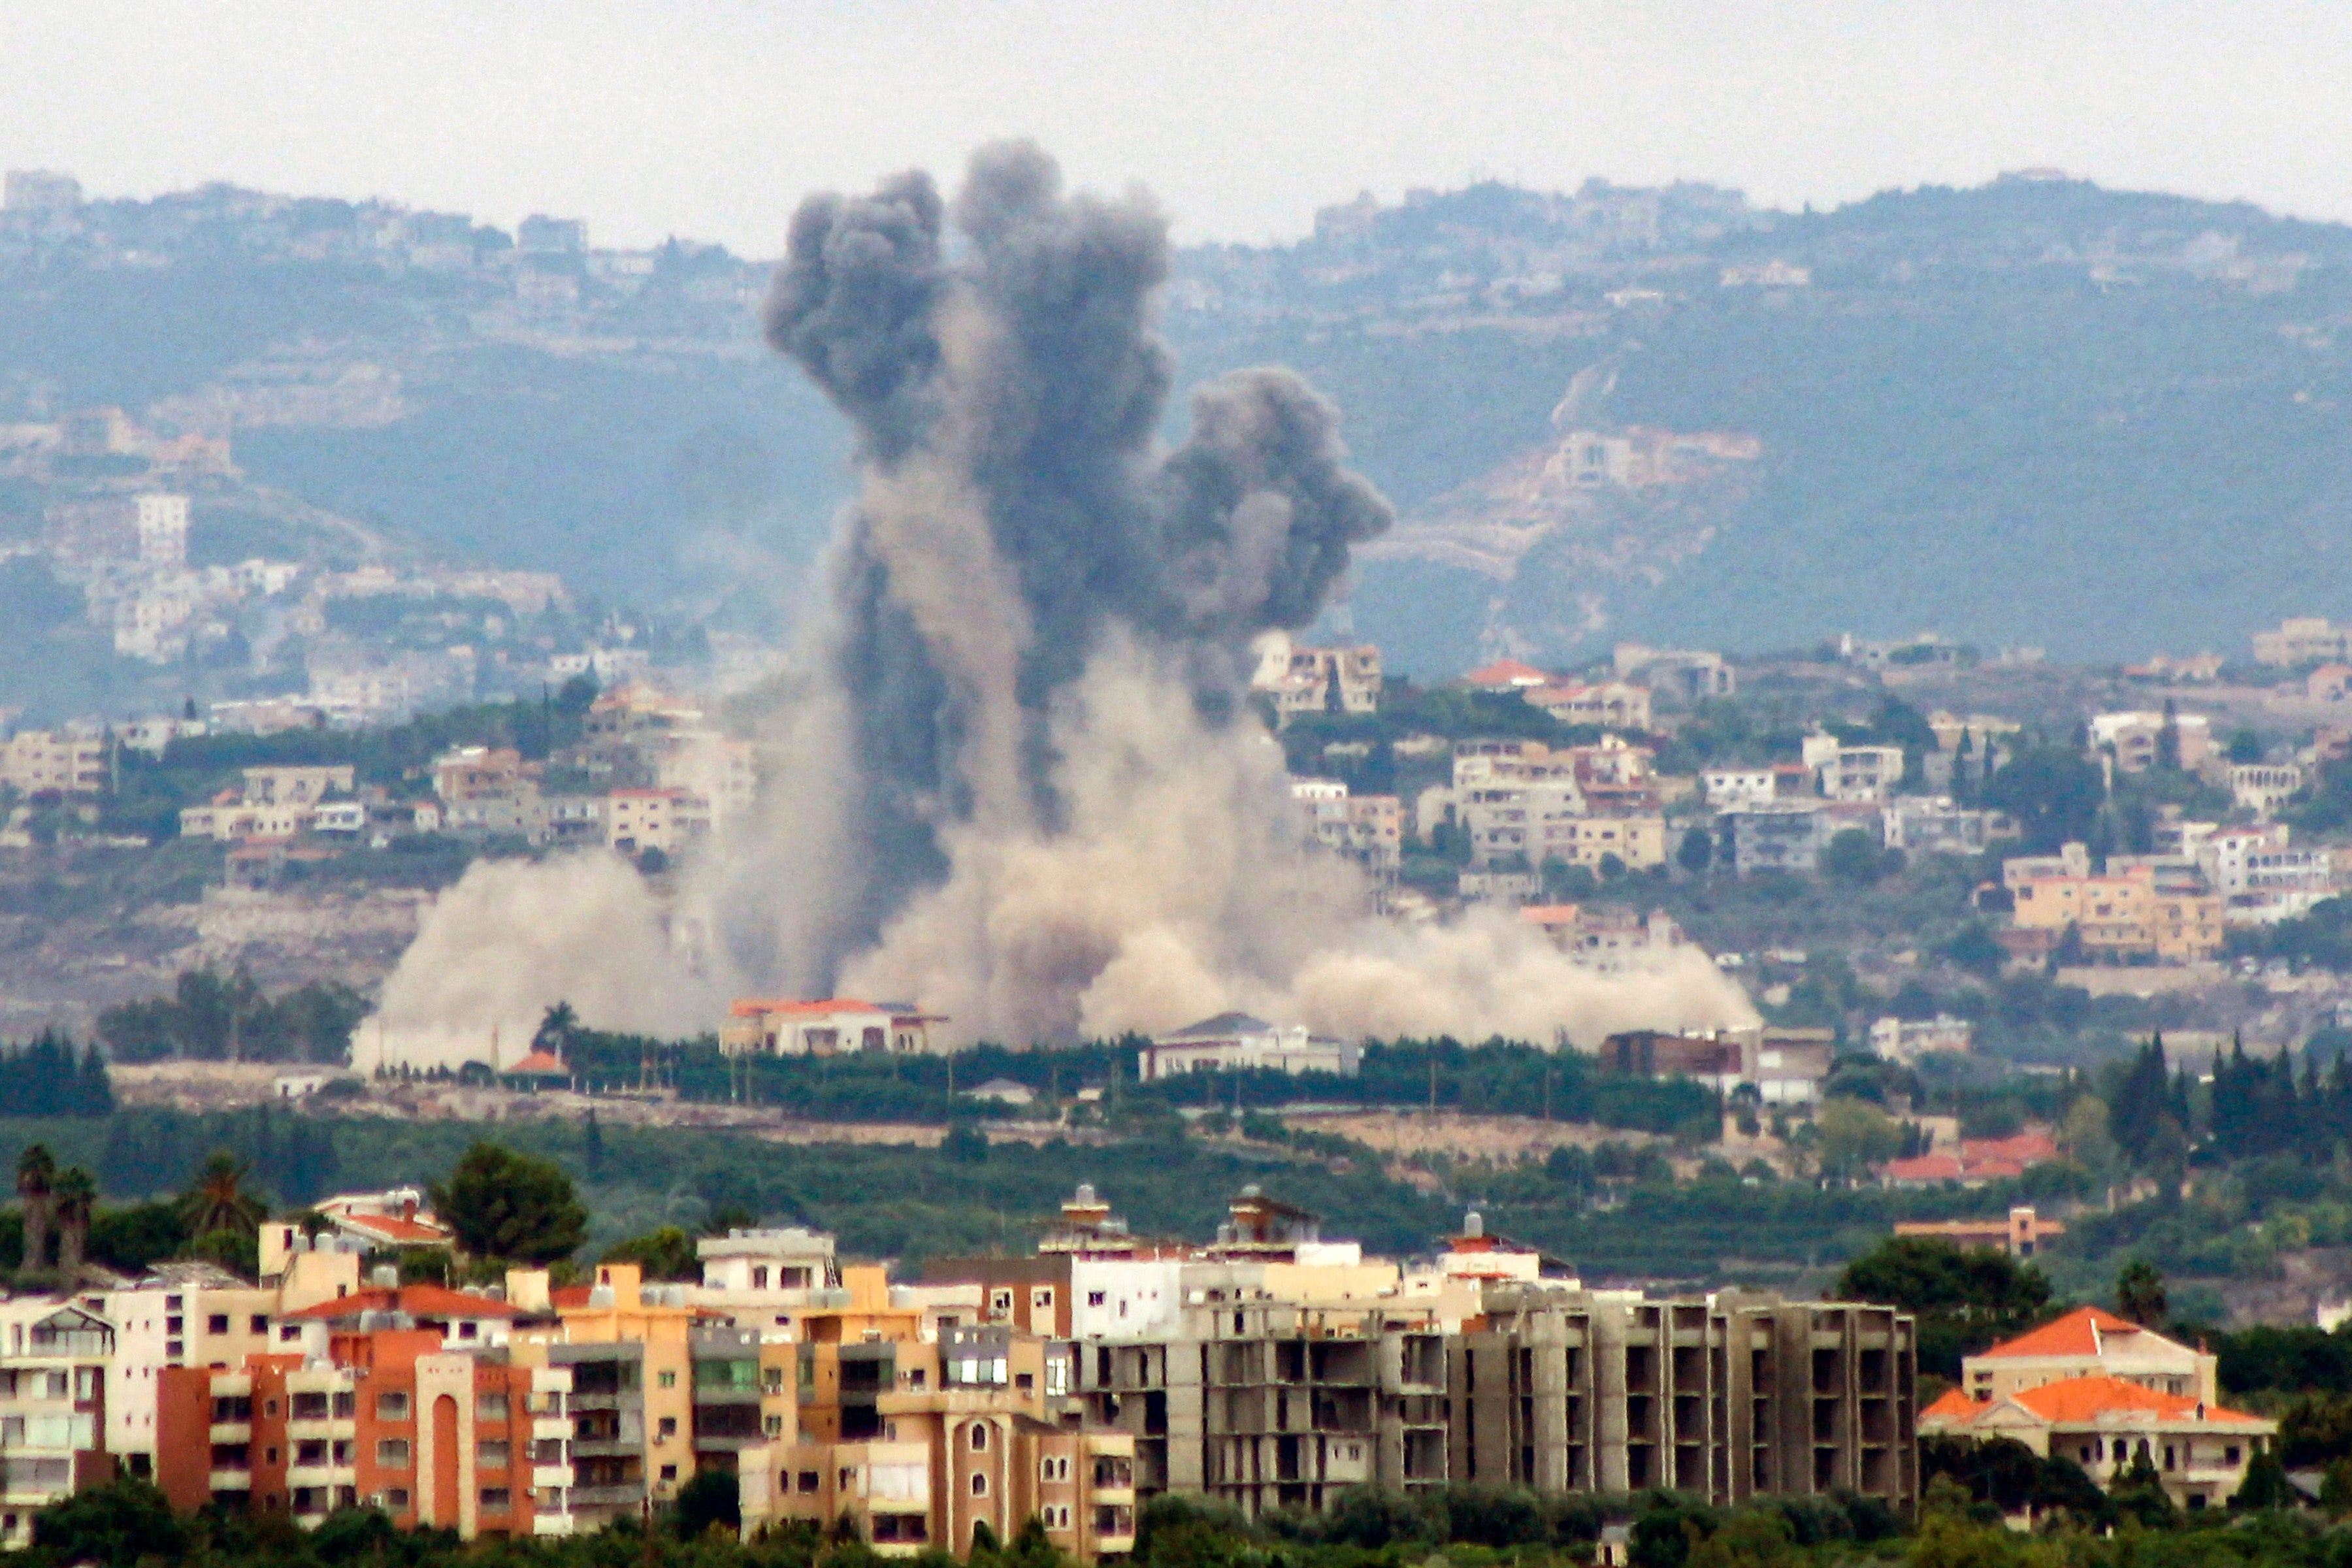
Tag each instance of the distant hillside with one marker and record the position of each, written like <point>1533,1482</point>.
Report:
<point>2034,413</point>
<point>2100,422</point>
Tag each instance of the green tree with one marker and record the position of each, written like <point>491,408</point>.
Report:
<point>2139,1293</point>
<point>711,1501</point>
<point>118,1524</point>
<point>1697,852</point>
<point>666,1253</point>
<point>37,1170</point>
<point>2055,793</point>
<point>1856,1136</point>
<point>2266,1485</point>
<point>1853,857</point>
<point>75,1195</point>
<point>219,1200</point>
<point>502,1205</point>
<point>1964,1298</point>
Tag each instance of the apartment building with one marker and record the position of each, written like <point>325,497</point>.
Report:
<point>2137,740</point>
<point>194,1314</point>
<point>1784,836</point>
<point>1367,828</point>
<point>388,1417</point>
<point>2126,915</point>
<point>1304,680</point>
<point>1861,772</point>
<point>1729,1398</point>
<point>628,1349</point>
<point>54,761</point>
<point>1608,939</point>
<point>55,1357</point>
<point>2303,639</point>
<point>636,820</point>
<point>1266,1405</point>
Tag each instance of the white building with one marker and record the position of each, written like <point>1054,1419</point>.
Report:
<point>54,1356</point>
<point>1737,788</point>
<point>163,525</point>
<point>1902,1040</point>
<point>1861,772</point>
<point>745,1265</point>
<point>39,761</point>
<point>833,1026</point>
<point>2263,787</point>
<point>1236,1041</point>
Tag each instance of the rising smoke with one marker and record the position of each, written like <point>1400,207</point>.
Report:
<point>1021,785</point>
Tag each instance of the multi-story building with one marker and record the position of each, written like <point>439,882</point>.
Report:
<point>1861,772</point>
<point>1609,938</point>
<point>192,1314</point>
<point>1785,836</point>
<point>1236,1041</point>
<point>1369,828</point>
<point>836,1025</point>
<point>386,1416</point>
<point>55,1356</point>
<point>2263,787</point>
<point>1609,704</point>
<point>1908,1040</point>
<point>627,1347</point>
<point>2109,1393</point>
<point>1738,788</point>
<point>1687,674</point>
<point>636,820</point>
<point>2123,915</point>
<point>54,761</point>
<point>1267,1405</point>
<point>1306,680</point>
<point>2137,740</point>
<point>2303,639</point>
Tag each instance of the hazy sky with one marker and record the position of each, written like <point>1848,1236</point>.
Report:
<point>709,117</point>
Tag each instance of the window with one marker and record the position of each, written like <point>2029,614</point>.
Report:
<point>772,1426</point>
<point>391,1454</point>
<point>495,1496</point>
<point>309,1407</point>
<point>216,1323</point>
<point>1025,1381</point>
<point>491,1454</point>
<point>846,1477</point>
<point>1000,1302</point>
<point>979,1484</point>
<point>2229,1455</point>
<point>1041,1299</point>
<point>347,1405</point>
<point>258,1323</point>
<point>759,1276</point>
<point>289,1333</point>
<point>669,1472</point>
<point>469,1330</point>
<point>396,1498</point>
<point>807,1480</point>
<point>669,1380</point>
<point>392,1407</point>
<point>1094,1298</point>
<point>310,1451</point>
<point>979,1439</point>
<point>490,1407</point>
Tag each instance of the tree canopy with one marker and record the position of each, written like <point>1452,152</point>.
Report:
<point>508,1205</point>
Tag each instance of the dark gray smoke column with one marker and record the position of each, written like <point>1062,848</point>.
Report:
<point>1005,390</point>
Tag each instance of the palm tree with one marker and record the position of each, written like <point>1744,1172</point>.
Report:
<point>555,1031</point>
<point>218,1201</point>
<point>35,1169</point>
<point>77,1195</point>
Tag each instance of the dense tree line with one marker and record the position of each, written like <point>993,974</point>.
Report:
<point>48,1077</point>
<point>212,1017</point>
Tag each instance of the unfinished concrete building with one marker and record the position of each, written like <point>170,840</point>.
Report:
<point>1267,1405</point>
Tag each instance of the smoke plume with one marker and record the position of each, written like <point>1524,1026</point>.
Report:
<point>1020,784</point>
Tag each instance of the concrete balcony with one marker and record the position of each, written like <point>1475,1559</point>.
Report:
<point>551,1427</point>
<point>551,1475</point>
<point>224,1482</point>
<point>232,1432</point>
<point>551,1525</point>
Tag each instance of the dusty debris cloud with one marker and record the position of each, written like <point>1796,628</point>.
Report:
<point>1020,784</point>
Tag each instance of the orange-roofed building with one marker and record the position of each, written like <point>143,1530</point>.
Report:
<point>2021,1233</point>
<point>387,1220</point>
<point>2090,1342</point>
<point>1977,1162</point>
<point>1506,674</point>
<point>2108,1425</point>
<point>833,1027</point>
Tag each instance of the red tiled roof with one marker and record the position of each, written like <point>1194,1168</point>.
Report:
<point>570,1295</point>
<point>392,1227</point>
<point>754,1006</point>
<point>1548,914</point>
<point>2088,1398</point>
<point>1953,1405</point>
<point>542,1064</point>
<point>2076,1333</point>
<point>416,1301</point>
<point>1506,672</point>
